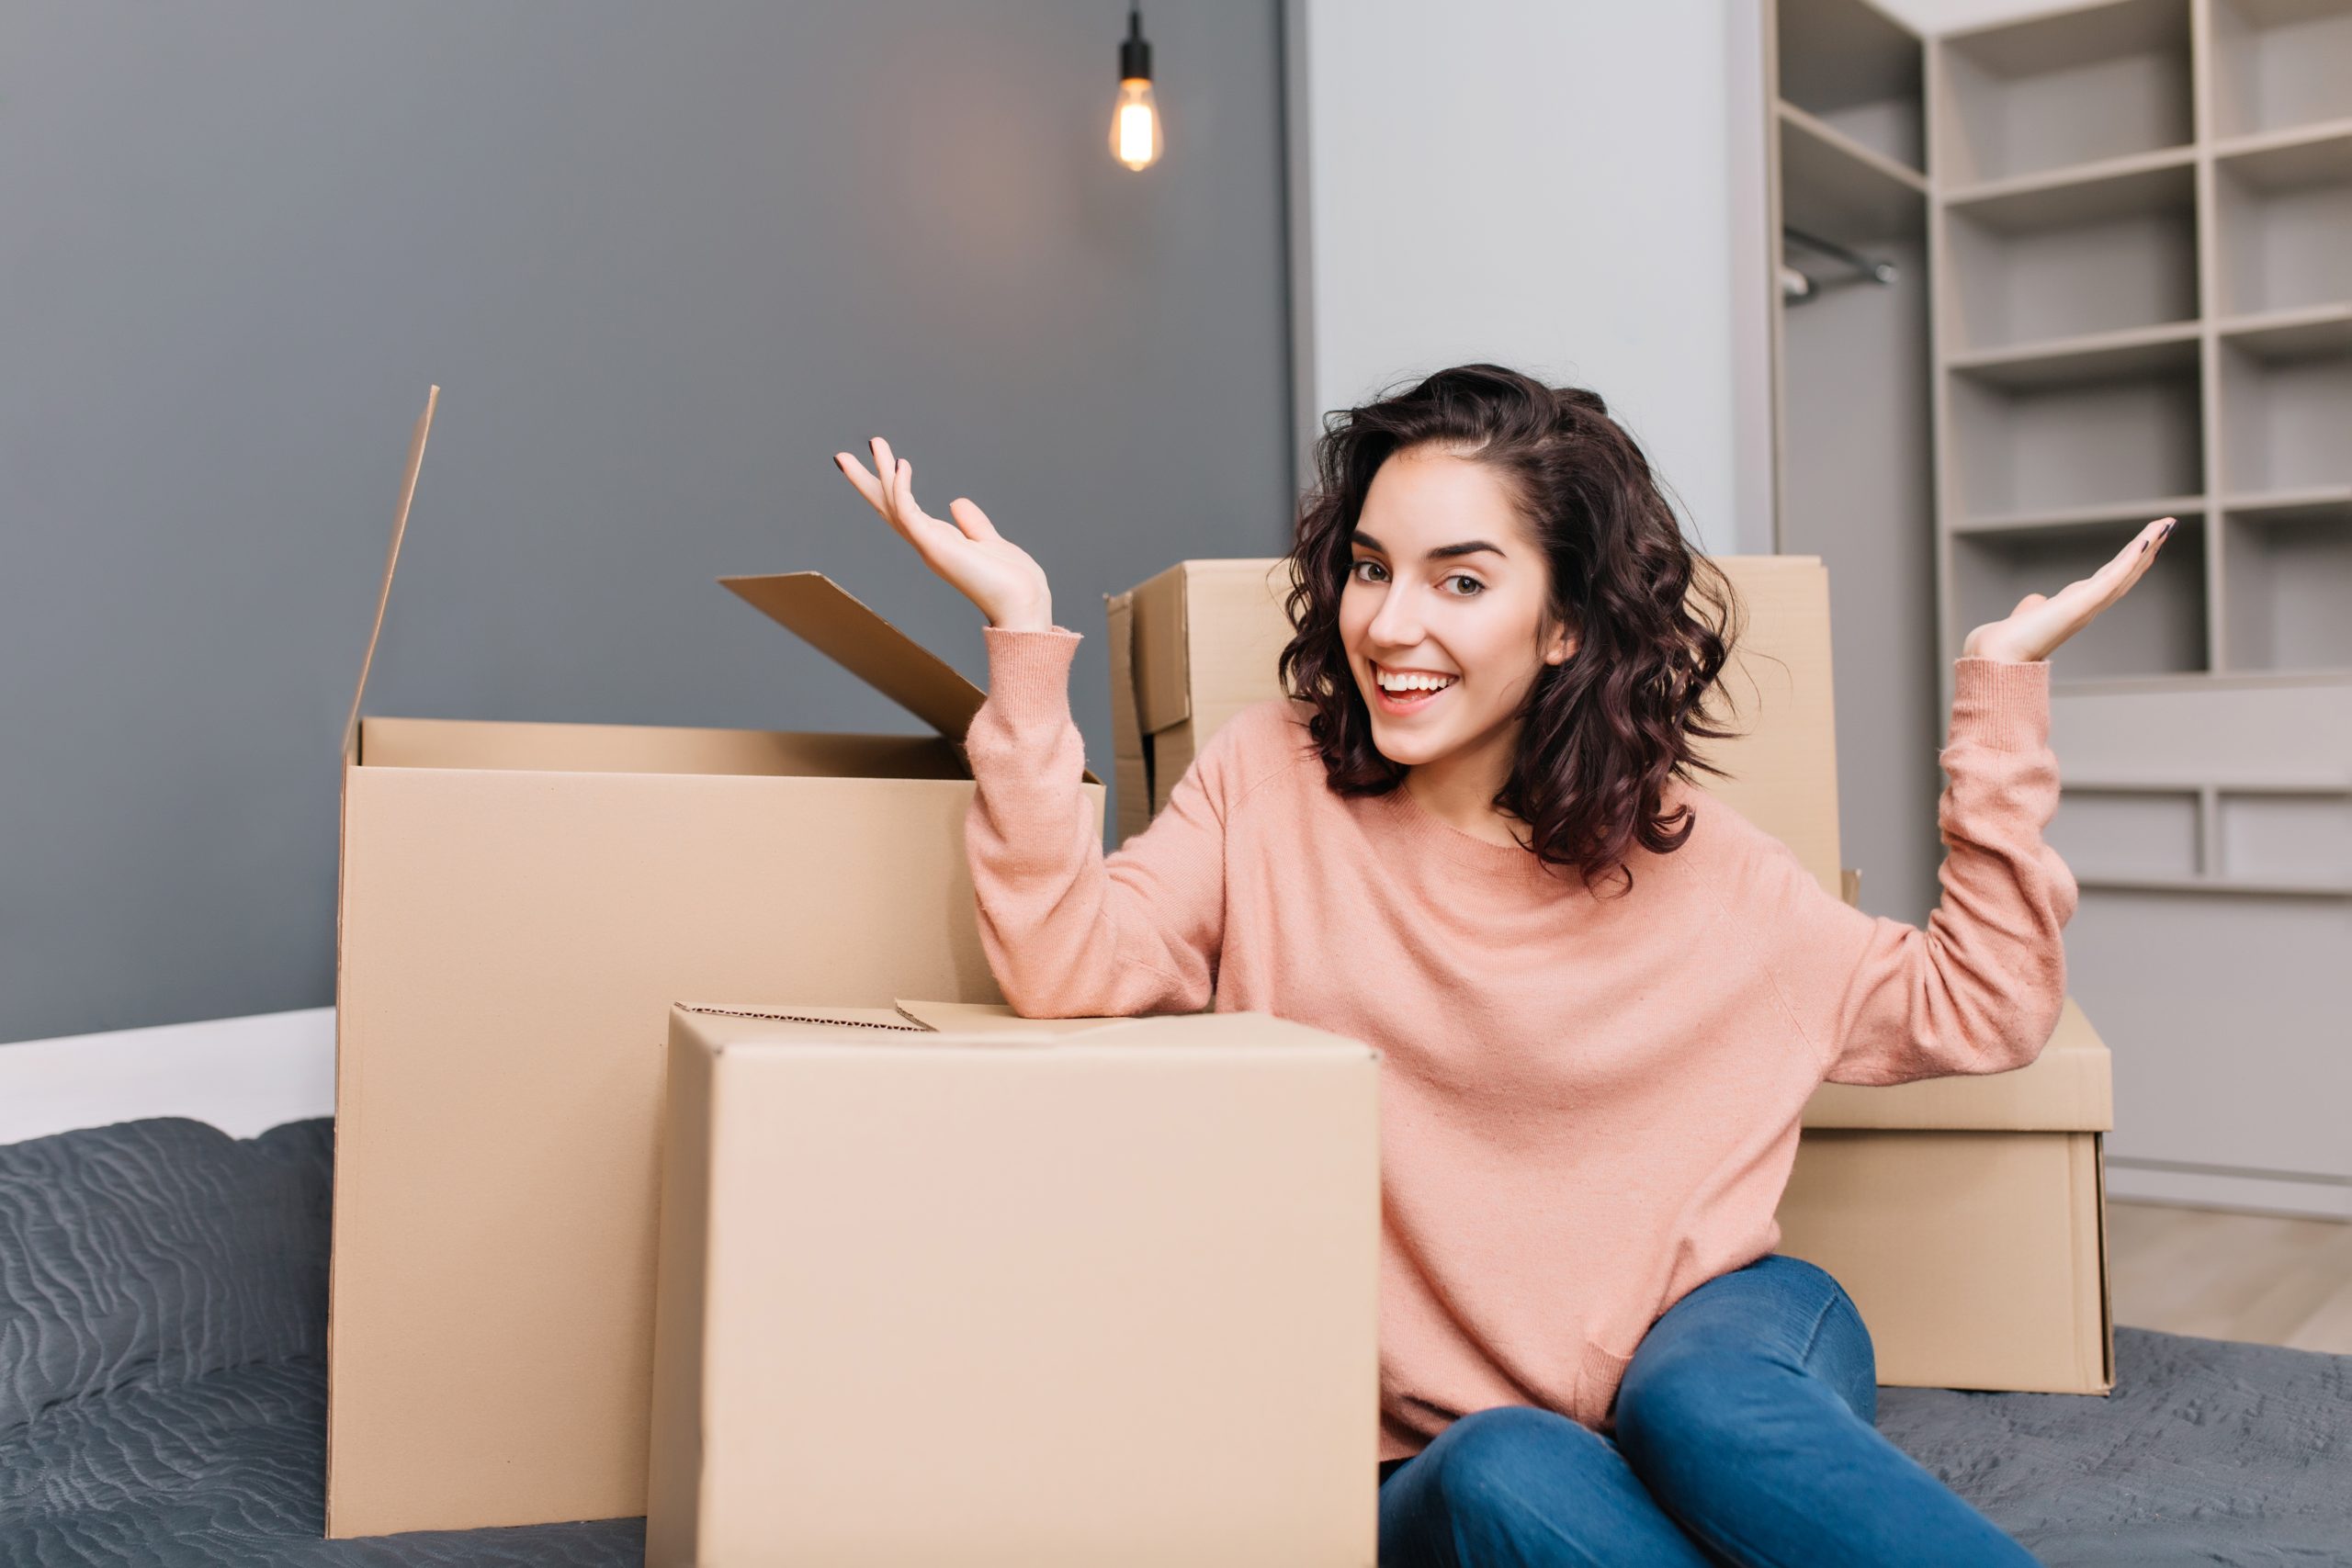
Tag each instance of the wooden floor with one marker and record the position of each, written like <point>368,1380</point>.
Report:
<point>2254,1277</point>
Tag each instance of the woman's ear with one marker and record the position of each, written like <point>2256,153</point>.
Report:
<point>1564,644</point>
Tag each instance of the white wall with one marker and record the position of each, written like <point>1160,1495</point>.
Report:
<point>1574,190</point>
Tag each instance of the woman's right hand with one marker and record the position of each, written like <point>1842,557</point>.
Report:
<point>984,566</point>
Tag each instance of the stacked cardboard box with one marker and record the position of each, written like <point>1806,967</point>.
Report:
<point>520,905</point>
<point>1966,1216</point>
<point>1197,643</point>
<point>943,1284</point>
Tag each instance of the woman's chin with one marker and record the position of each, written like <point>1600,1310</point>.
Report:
<point>1405,750</point>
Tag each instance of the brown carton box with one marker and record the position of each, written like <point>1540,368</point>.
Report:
<point>1198,644</point>
<point>942,1285</point>
<point>1965,1215</point>
<point>520,904</point>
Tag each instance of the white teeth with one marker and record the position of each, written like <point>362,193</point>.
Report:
<point>1389,682</point>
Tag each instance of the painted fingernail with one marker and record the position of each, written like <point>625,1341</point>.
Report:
<point>2145,543</point>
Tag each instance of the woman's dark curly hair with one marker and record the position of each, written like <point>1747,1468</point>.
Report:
<point>1601,732</point>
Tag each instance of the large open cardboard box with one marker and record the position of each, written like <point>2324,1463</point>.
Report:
<point>1966,1216</point>
<point>520,904</point>
<point>939,1284</point>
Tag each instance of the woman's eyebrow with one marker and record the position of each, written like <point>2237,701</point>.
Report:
<point>1443,552</point>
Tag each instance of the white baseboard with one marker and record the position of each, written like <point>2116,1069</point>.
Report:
<point>2243,1192</point>
<point>243,1074</point>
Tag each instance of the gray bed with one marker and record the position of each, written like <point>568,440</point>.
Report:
<point>163,1296</point>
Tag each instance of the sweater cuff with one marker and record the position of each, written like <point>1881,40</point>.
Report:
<point>2001,703</point>
<point>1029,671</point>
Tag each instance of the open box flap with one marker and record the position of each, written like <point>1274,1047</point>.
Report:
<point>1206,1027</point>
<point>834,622</point>
<point>986,1018</point>
<point>829,618</point>
<point>810,605</point>
<point>391,560</point>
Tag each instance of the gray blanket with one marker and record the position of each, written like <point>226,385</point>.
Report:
<point>162,1303</point>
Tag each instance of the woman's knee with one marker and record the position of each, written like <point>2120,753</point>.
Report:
<point>1522,1484</point>
<point>1837,1351</point>
<point>1503,1461</point>
<point>1717,1376</point>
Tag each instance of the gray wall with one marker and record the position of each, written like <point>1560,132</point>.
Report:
<point>663,262</point>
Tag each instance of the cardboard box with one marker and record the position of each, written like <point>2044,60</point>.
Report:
<point>519,905</point>
<point>1965,1215</point>
<point>946,1286</point>
<point>1197,643</point>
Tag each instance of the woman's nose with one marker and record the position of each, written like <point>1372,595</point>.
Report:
<point>1396,624</point>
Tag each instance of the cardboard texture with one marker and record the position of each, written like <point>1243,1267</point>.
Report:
<point>520,904</point>
<point>1199,642</point>
<point>1965,1215</point>
<point>1018,1293</point>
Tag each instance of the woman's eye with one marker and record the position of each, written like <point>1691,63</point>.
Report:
<point>1477,586</point>
<point>1357,570</point>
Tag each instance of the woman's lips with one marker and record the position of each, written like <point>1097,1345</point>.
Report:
<point>1404,703</point>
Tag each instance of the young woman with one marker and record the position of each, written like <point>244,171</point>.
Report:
<point>1471,837</point>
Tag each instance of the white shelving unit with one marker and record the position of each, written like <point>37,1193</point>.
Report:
<point>2140,220</point>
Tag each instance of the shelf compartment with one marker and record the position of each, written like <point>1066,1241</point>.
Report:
<point>2069,258</point>
<point>2280,63</point>
<point>2170,347</point>
<point>1855,69</point>
<point>2286,406</point>
<point>2287,582</point>
<point>2097,83</point>
<point>2083,519</point>
<point>2278,836</point>
<point>2137,833</point>
<point>2289,334</point>
<point>2092,431</point>
<point>2284,211</point>
<point>1841,190</point>
<point>2158,628</point>
<point>2317,503</point>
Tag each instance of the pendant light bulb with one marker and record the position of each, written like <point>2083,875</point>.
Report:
<point>1134,121</point>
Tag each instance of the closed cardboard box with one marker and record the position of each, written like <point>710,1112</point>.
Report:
<point>1965,1215</point>
<point>946,1286</point>
<point>520,904</point>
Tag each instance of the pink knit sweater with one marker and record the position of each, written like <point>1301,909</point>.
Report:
<point>1589,1105</point>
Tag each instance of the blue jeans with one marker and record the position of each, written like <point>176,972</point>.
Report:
<point>1743,1434</point>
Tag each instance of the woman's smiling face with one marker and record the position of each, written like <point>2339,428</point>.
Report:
<point>1447,588</point>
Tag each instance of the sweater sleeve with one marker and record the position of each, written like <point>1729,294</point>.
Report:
<point>1981,989</point>
<point>1070,931</point>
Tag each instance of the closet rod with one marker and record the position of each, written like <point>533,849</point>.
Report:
<point>1876,270</point>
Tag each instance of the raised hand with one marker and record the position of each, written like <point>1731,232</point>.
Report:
<point>2040,624</point>
<point>984,566</point>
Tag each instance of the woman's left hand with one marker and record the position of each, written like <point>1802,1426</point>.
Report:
<point>2040,624</point>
